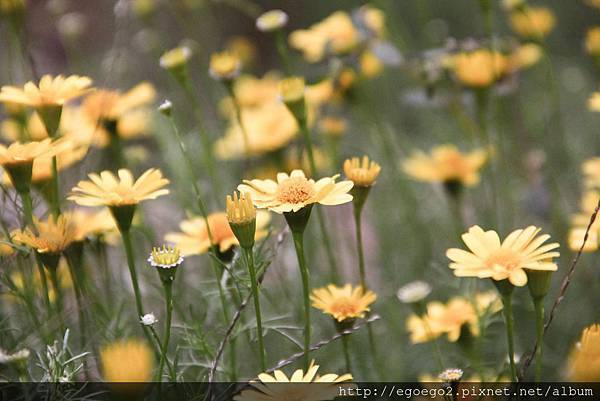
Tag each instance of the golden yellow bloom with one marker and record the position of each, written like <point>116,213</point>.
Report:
<point>271,20</point>
<point>479,68</point>
<point>52,236</point>
<point>592,40</point>
<point>193,238</point>
<point>488,257</point>
<point>443,319</point>
<point>524,56</point>
<point>576,236</point>
<point>175,58</point>
<point>343,303</point>
<point>332,126</point>
<point>92,223</point>
<point>111,105</point>
<point>269,387</point>
<point>362,172</point>
<point>23,153</point>
<point>105,189</point>
<point>51,91</point>
<point>243,48</point>
<point>446,165</point>
<point>533,22</point>
<point>127,361</point>
<point>370,65</point>
<point>335,33</point>
<point>240,210</point>
<point>487,302</point>
<point>5,248</point>
<point>584,361</point>
<point>594,102</point>
<point>293,192</point>
<point>224,65</point>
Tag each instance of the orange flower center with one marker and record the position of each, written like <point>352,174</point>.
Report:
<point>344,307</point>
<point>294,190</point>
<point>505,258</point>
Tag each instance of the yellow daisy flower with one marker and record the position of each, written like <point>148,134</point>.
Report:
<point>343,303</point>
<point>111,105</point>
<point>270,387</point>
<point>293,192</point>
<point>489,257</point>
<point>362,172</point>
<point>52,236</point>
<point>51,91</point>
<point>23,153</point>
<point>105,189</point>
<point>584,361</point>
<point>193,238</point>
<point>335,33</point>
<point>446,165</point>
<point>479,68</point>
<point>224,65</point>
<point>441,319</point>
<point>533,22</point>
<point>129,361</point>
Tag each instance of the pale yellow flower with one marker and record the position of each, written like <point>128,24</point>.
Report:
<point>363,172</point>
<point>584,361</point>
<point>130,361</point>
<point>522,250</point>
<point>51,91</point>
<point>193,238</point>
<point>175,58</point>
<point>278,386</point>
<point>271,20</point>
<point>592,40</point>
<point>52,236</point>
<point>20,153</point>
<point>576,236</point>
<point>105,189</point>
<point>224,65</point>
<point>335,33</point>
<point>446,165</point>
<point>533,22</point>
<point>594,101</point>
<point>343,303</point>
<point>479,68</point>
<point>293,192</point>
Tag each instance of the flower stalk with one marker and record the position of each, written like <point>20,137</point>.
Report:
<point>506,291</point>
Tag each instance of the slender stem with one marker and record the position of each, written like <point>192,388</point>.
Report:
<point>168,288</point>
<point>359,245</point>
<point>27,207</point>
<point>539,333</point>
<point>299,245</point>
<point>232,356</point>
<point>320,216</point>
<point>508,318</point>
<point>249,256</point>
<point>345,345</point>
<point>282,50</point>
<point>126,235</point>
<point>74,265</point>
<point>162,352</point>
<point>55,206</point>
<point>58,294</point>
<point>207,149</point>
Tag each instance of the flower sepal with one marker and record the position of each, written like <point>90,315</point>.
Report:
<point>50,115</point>
<point>49,260</point>
<point>298,220</point>
<point>538,282</point>
<point>20,175</point>
<point>504,287</point>
<point>123,215</point>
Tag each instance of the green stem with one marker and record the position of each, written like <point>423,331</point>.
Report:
<point>508,318</point>
<point>74,266</point>
<point>126,235</point>
<point>59,295</point>
<point>55,206</point>
<point>282,50</point>
<point>299,245</point>
<point>345,345</point>
<point>162,352</point>
<point>168,288</point>
<point>359,245</point>
<point>249,256</point>
<point>539,332</point>
<point>232,355</point>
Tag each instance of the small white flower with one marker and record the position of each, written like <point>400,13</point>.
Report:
<point>451,375</point>
<point>6,358</point>
<point>148,319</point>
<point>165,107</point>
<point>413,292</point>
<point>271,21</point>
